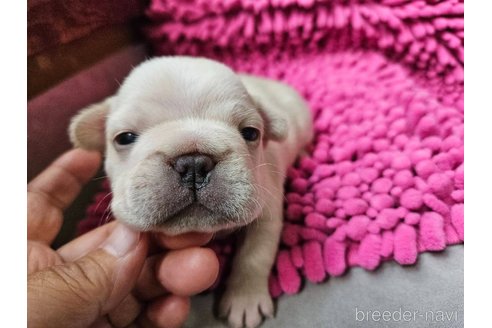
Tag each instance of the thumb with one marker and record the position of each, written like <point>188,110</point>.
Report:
<point>76,294</point>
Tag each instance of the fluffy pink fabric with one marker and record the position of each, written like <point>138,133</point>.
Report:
<point>384,79</point>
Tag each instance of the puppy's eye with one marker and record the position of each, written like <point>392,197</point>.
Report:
<point>125,138</point>
<point>250,134</point>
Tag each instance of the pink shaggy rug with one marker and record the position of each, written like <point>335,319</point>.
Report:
<point>384,79</point>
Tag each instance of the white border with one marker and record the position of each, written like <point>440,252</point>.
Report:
<point>13,163</point>
<point>478,162</point>
<point>478,151</point>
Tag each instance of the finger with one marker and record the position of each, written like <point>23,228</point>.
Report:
<point>40,256</point>
<point>181,272</point>
<point>166,312</point>
<point>188,271</point>
<point>43,220</point>
<point>125,313</point>
<point>61,182</point>
<point>90,287</point>
<point>91,240</point>
<point>147,286</point>
<point>86,243</point>
<point>54,189</point>
<point>183,240</point>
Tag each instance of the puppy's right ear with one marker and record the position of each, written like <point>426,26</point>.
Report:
<point>87,128</point>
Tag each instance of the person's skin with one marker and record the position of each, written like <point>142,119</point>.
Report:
<point>111,276</point>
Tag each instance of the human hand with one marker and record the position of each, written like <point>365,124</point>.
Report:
<point>106,277</point>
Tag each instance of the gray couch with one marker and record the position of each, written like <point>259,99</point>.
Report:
<point>428,294</point>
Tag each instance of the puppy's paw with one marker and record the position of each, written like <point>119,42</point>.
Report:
<point>245,308</point>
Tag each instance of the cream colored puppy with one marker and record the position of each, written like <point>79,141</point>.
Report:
<point>192,146</point>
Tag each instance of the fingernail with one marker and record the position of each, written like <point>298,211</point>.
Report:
<point>121,241</point>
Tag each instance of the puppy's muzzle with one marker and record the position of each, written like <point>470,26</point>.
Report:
<point>194,170</point>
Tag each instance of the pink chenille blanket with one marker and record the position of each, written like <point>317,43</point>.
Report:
<point>383,179</point>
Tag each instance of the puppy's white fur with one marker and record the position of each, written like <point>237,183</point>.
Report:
<point>184,105</point>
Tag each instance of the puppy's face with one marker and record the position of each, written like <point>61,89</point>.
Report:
<point>184,145</point>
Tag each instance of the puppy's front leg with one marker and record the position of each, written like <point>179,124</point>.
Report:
<point>247,298</point>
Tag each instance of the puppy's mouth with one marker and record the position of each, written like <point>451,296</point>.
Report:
<point>191,210</point>
<point>195,217</point>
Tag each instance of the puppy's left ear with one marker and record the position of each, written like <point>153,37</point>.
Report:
<point>275,124</point>
<point>266,96</point>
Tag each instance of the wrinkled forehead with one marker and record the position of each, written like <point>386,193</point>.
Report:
<point>156,93</point>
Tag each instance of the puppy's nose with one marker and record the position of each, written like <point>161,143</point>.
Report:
<point>194,170</point>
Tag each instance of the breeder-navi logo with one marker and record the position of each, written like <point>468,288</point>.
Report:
<point>401,315</point>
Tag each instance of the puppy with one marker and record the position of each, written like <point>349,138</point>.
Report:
<point>192,146</point>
